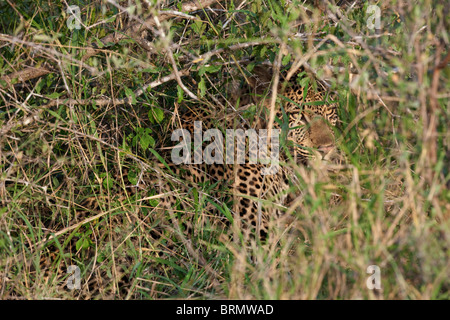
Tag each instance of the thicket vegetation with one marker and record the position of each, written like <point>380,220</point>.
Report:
<point>86,107</point>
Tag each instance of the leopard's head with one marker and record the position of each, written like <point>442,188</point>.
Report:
<point>312,137</point>
<point>310,117</point>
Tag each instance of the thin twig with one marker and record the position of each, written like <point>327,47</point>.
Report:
<point>172,60</point>
<point>179,14</point>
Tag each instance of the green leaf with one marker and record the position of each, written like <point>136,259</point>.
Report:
<point>153,202</point>
<point>151,70</point>
<point>99,43</point>
<point>55,182</point>
<point>263,51</point>
<point>146,140</point>
<point>129,93</point>
<point>198,27</point>
<point>82,243</point>
<point>49,79</point>
<point>39,86</point>
<point>209,69</point>
<point>156,114</point>
<point>79,243</point>
<point>250,66</point>
<point>108,181</point>
<point>202,87</point>
<point>54,95</point>
<point>304,83</point>
<point>180,94</point>
<point>133,177</point>
<point>286,59</point>
<point>56,115</point>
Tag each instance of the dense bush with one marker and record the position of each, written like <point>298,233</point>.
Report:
<point>85,114</point>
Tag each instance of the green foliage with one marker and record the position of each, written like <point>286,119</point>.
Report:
<point>67,137</point>
<point>143,137</point>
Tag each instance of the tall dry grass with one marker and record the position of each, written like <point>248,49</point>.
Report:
<point>85,114</point>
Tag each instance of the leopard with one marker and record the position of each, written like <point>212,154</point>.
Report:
<point>258,201</point>
<point>308,118</point>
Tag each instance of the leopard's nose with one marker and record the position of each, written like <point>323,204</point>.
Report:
<point>326,150</point>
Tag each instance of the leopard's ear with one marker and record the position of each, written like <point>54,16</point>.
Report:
<point>260,79</point>
<point>263,73</point>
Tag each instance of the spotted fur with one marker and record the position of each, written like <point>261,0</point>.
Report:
<point>258,199</point>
